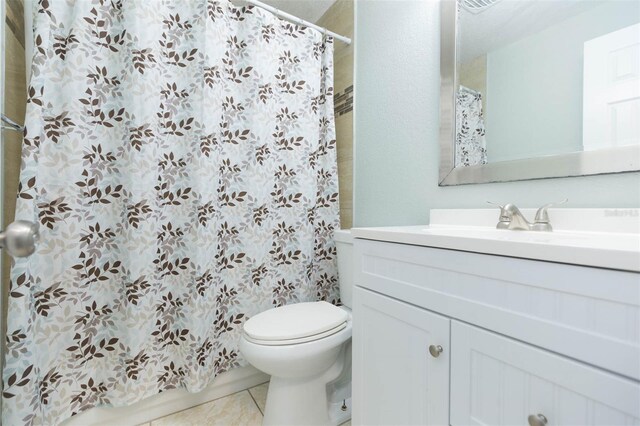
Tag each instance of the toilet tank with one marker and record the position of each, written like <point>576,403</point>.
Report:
<point>344,246</point>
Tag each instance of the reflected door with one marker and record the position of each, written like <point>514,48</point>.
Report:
<point>612,89</point>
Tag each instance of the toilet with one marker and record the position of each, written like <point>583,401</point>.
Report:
<point>306,348</point>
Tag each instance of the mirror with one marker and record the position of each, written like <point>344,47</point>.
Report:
<point>539,88</point>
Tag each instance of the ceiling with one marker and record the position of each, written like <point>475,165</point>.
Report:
<point>309,10</point>
<point>507,21</point>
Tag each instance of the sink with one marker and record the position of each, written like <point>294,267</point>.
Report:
<point>613,241</point>
<point>616,247</point>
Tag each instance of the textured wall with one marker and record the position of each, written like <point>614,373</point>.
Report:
<point>14,106</point>
<point>14,102</point>
<point>339,19</point>
<point>396,127</point>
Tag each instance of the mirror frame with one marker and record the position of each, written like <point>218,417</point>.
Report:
<point>612,160</point>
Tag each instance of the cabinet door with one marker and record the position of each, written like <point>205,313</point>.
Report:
<point>499,381</point>
<point>396,381</point>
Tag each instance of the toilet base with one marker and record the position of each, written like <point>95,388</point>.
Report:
<point>315,400</point>
<point>297,402</point>
<point>338,414</point>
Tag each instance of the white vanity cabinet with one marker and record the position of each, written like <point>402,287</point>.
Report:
<point>496,380</point>
<point>519,338</point>
<point>391,331</point>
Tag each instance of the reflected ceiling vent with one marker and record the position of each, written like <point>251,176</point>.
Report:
<point>477,6</point>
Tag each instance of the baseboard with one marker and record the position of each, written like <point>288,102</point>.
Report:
<point>170,402</point>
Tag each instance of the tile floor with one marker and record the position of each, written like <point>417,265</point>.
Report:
<point>243,408</point>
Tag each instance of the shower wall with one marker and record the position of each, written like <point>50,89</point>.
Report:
<point>339,19</point>
<point>473,75</point>
<point>14,107</point>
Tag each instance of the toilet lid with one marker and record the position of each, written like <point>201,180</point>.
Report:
<point>295,321</point>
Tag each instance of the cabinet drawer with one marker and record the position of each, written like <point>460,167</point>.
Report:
<point>589,314</point>
<point>500,381</point>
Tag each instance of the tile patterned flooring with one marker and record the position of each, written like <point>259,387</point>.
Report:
<point>243,408</point>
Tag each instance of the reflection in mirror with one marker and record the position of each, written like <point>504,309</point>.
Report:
<point>545,77</point>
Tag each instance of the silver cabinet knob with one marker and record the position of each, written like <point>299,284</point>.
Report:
<point>537,420</point>
<point>435,350</point>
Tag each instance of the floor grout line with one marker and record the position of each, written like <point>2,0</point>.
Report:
<point>207,402</point>
<point>254,401</point>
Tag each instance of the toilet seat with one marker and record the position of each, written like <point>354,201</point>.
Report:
<point>296,341</point>
<point>296,323</point>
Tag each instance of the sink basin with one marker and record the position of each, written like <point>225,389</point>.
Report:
<point>614,250</point>
<point>613,241</point>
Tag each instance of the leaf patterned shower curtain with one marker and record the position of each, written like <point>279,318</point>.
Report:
<point>180,159</point>
<point>470,144</point>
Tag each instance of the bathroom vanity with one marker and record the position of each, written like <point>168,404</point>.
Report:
<point>469,325</point>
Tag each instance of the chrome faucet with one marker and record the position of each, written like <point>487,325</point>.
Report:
<point>512,218</point>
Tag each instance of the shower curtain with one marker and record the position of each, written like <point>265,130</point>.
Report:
<point>471,146</point>
<point>180,159</point>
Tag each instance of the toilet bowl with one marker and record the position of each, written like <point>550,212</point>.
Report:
<point>305,347</point>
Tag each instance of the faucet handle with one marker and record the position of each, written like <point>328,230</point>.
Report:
<point>542,216</point>
<point>505,218</point>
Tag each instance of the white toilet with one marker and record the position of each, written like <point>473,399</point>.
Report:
<point>306,348</point>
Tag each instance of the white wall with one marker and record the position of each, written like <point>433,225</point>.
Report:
<point>535,85</point>
<point>396,129</point>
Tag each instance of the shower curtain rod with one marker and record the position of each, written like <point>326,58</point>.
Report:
<point>9,124</point>
<point>299,21</point>
<point>468,90</point>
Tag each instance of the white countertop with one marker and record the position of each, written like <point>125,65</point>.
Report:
<point>574,239</point>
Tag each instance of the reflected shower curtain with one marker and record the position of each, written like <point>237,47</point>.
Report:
<point>471,146</point>
<point>180,159</point>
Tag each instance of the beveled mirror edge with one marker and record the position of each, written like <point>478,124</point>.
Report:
<point>448,80</point>
<point>614,160</point>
